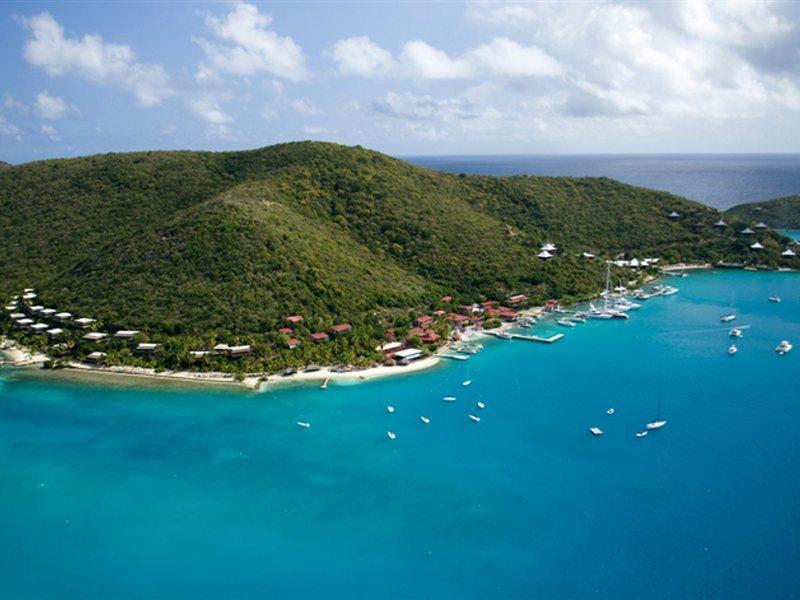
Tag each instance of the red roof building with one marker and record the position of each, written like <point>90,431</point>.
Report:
<point>506,314</point>
<point>292,344</point>
<point>424,320</point>
<point>447,298</point>
<point>439,313</point>
<point>294,319</point>
<point>551,305</point>
<point>320,337</point>
<point>416,331</point>
<point>285,330</point>
<point>429,336</point>
<point>341,328</point>
<point>458,318</point>
<point>517,299</point>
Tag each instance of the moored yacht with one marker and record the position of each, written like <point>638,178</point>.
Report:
<point>783,347</point>
<point>727,317</point>
<point>474,418</point>
<point>736,333</point>
<point>565,323</point>
<point>391,435</point>
<point>775,298</point>
<point>732,349</point>
<point>303,424</point>
<point>595,431</point>
<point>424,419</point>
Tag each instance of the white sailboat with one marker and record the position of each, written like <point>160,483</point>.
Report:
<point>659,422</point>
<point>303,424</point>
<point>424,419</point>
<point>391,435</point>
<point>783,347</point>
<point>595,431</point>
<point>474,418</point>
<point>449,398</point>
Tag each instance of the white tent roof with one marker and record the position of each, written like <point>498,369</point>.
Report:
<point>549,247</point>
<point>788,252</point>
<point>748,231</point>
<point>761,225</point>
<point>757,246</point>
<point>544,254</point>
<point>720,223</point>
<point>674,215</point>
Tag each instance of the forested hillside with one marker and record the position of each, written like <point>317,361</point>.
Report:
<point>783,213</point>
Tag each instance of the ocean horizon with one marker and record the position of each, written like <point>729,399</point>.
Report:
<point>161,492</point>
<point>719,180</point>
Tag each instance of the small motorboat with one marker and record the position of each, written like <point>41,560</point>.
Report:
<point>303,424</point>
<point>595,431</point>
<point>565,323</point>
<point>480,405</point>
<point>783,347</point>
<point>466,382</point>
<point>390,409</point>
<point>610,411</point>
<point>424,419</point>
<point>619,314</point>
<point>505,335</point>
<point>735,333</point>
<point>775,298</point>
<point>641,434</point>
<point>732,349</point>
<point>728,317</point>
<point>655,425</point>
<point>391,435</point>
<point>474,418</point>
<point>449,398</point>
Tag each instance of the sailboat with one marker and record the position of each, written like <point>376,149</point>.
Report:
<point>730,315</point>
<point>467,381</point>
<point>659,422</point>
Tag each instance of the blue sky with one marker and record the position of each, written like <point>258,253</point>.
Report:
<point>404,78</point>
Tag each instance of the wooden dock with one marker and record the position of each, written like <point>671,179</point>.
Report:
<point>531,338</point>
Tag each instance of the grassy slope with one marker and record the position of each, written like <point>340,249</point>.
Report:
<point>783,213</point>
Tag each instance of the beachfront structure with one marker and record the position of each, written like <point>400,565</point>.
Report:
<point>83,322</point>
<point>756,246</point>
<point>242,350</point>
<point>126,334</point>
<point>408,354</point>
<point>545,255</point>
<point>720,223</point>
<point>95,336</point>
<point>320,337</point>
<point>55,332</point>
<point>391,346</point>
<point>788,252</point>
<point>294,319</point>
<point>96,357</point>
<point>63,316</point>
<point>341,328</point>
<point>146,348</point>
<point>761,225</point>
<point>674,215</point>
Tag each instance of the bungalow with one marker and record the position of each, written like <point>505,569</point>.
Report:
<point>63,316</point>
<point>146,348</point>
<point>199,353</point>
<point>341,328</point>
<point>458,319</point>
<point>407,355</point>
<point>29,296</point>
<point>95,336</point>
<point>17,316</point>
<point>447,298</point>
<point>292,343</point>
<point>551,305</point>
<point>517,299</point>
<point>756,246</point>
<point>23,322</point>
<point>761,225</point>
<point>439,313</point>
<point>549,248</point>
<point>674,215</point>
<point>788,252</point>
<point>96,357</point>
<point>416,331</point>
<point>488,304</point>
<point>235,351</point>
<point>221,349</point>
<point>429,337</point>
<point>55,332</point>
<point>11,307</point>
<point>424,320</point>
<point>285,330</point>
<point>506,314</point>
<point>588,255</point>
<point>294,319</point>
<point>391,347</point>
<point>465,309</point>
<point>83,322</point>
<point>545,255</point>
<point>28,290</point>
<point>320,337</point>
<point>125,334</point>
<point>47,312</point>
<point>39,327</point>
<point>747,231</point>
<point>720,223</point>
<point>36,309</point>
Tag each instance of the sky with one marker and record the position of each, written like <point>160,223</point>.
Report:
<point>406,78</point>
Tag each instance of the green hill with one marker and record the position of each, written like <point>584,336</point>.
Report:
<point>195,248</point>
<point>782,213</point>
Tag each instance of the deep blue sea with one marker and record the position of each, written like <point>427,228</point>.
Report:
<point>151,493</point>
<point>720,181</point>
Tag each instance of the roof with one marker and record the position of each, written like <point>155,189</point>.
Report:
<point>788,252</point>
<point>40,326</point>
<point>408,353</point>
<point>55,331</point>
<point>294,318</point>
<point>757,246</point>
<point>747,231</point>
<point>48,311</point>
<point>63,315</point>
<point>447,298</point>
<point>239,349</point>
<point>588,255</point>
<point>17,316</point>
<point>674,215</point>
<point>96,355</point>
<point>424,319</point>
<point>147,346</point>
<point>84,320</point>
<point>221,347</point>
<point>720,223</point>
<point>549,247</point>
<point>36,308</point>
<point>293,342</point>
<point>319,335</point>
<point>341,328</point>
<point>761,225</point>
<point>391,346</point>
<point>125,333</point>
<point>198,352</point>
<point>95,336</point>
<point>544,254</point>
<point>24,321</point>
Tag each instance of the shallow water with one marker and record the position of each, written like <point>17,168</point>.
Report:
<point>113,492</point>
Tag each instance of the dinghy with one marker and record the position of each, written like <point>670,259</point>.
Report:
<point>304,424</point>
<point>595,431</point>
<point>425,419</point>
<point>391,435</point>
<point>474,418</point>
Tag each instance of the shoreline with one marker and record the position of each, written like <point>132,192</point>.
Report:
<point>21,358</point>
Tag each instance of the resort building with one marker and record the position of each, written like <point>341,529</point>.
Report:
<point>55,332</point>
<point>29,296</point>
<point>319,337</point>
<point>391,347</point>
<point>761,225</point>
<point>285,331</point>
<point>517,299</point>
<point>720,223</point>
<point>96,357</point>
<point>757,246</point>
<point>39,327</point>
<point>83,322</point>
<point>341,328</point>
<point>545,255</point>
<point>221,349</point>
<point>424,320</point>
<point>407,355</point>
<point>292,343</point>
<point>16,316</point>
<point>588,255</point>
<point>235,351</point>
<point>447,299</point>
<point>146,348</point>
<point>126,334</point>
<point>24,322</point>
<point>95,336</point>
<point>429,336</point>
<point>63,316</point>
<point>47,312</point>
<point>36,309</point>
<point>549,248</point>
<point>294,319</point>
<point>674,215</point>
<point>747,231</point>
<point>788,252</point>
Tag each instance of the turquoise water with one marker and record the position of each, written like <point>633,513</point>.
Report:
<point>792,233</point>
<point>150,493</point>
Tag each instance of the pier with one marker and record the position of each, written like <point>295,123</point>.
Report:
<point>531,338</point>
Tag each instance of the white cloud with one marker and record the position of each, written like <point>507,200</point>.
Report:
<point>50,132</point>
<point>12,103</point>
<point>90,57</point>
<point>208,110</point>
<point>10,129</point>
<point>50,107</point>
<point>316,130</point>
<point>304,106</point>
<point>252,48</point>
<point>501,57</point>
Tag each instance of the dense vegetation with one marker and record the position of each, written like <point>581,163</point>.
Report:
<point>197,248</point>
<point>783,213</point>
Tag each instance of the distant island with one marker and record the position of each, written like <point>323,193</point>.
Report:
<point>313,253</point>
<point>781,213</point>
